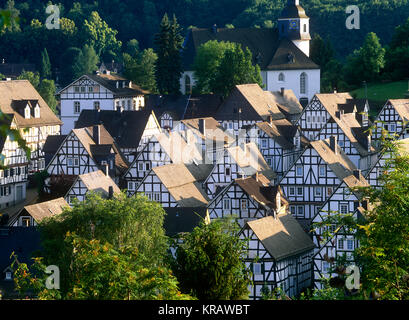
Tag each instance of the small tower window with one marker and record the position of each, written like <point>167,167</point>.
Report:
<point>305,28</point>
<point>281,77</point>
<point>188,85</point>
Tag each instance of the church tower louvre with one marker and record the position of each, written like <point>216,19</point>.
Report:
<point>294,25</point>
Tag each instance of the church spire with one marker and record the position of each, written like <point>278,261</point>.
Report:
<point>294,25</point>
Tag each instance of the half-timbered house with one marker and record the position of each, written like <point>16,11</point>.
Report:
<point>164,148</point>
<point>96,181</point>
<point>14,174</point>
<point>342,241</point>
<point>279,255</point>
<point>86,150</point>
<point>99,92</point>
<point>31,116</point>
<point>237,162</point>
<point>176,185</point>
<point>131,130</point>
<point>248,199</point>
<point>33,214</point>
<point>314,176</point>
<point>280,143</point>
<point>394,118</point>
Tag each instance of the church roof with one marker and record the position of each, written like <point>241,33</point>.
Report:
<point>293,10</point>
<point>269,52</point>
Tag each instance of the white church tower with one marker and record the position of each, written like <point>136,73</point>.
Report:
<point>294,25</point>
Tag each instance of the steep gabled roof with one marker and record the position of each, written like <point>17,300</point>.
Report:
<point>46,209</point>
<point>180,220</point>
<point>287,102</point>
<point>282,131</point>
<point>250,160</point>
<point>15,92</point>
<point>182,185</point>
<point>97,181</point>
<point>53,143</point>
<point>282,236</point>
<point>402,107</point>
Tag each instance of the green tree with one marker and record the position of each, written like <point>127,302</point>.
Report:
<point>9,18</point>
<point>86,62</point>
<point>100,36</point>
<point>67,61</point>
<point>140,68</point>
<point>168,65</point>
<point>47,91</point>
<point>321,52</point>
<point>207,61</point>
<point>209,262</point>
<point>33,77</point>
<point>45,69</point>
<point>235,68</point>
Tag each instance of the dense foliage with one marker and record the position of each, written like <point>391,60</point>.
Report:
<point>209,262</point>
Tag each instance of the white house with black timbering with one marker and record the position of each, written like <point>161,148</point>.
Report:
<point>14,175</point>
<point>96,181</point>
<point>314,176</point>
<point>164,148</point>
<point>280,143</point>
<point>282,53</point>
<point>31,115</point>
<point>247,199</point>
<point>208,135</point>
<point>279,255</point>
<point>379,166</point>
<point>86,150</point>
<point>98,92</point>
<point>394,118</point>
<point>131,130</point>
<point>176,185</point>
<point>341,242</point>
<point>237,162</point>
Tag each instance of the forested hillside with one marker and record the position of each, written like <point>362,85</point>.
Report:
<point>140,19</point>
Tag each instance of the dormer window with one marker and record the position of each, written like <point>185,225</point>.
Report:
<point>27,112</point>
<point>37,111</point>
<point>8,276</point>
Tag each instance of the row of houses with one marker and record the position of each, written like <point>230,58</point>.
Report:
<point>258,155</point>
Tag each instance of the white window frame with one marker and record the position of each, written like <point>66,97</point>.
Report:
<point>226,204</point>
<point>296,170</point>
<point>77,107</point>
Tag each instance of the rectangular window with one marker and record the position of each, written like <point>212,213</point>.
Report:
<point>318,191</point>
<point>76,162</point>
<point>82,89</point>
<point>140,166</point>
<point>227,171</point>
<point>147,166</point>
<point>341,143</point>
<point>69,162</point>
<point>299,171</point>
<point>25,222</point>
<point>329,191</point>
<point>322,171</point>
<point>344,208</point>
<point>341,244</point>
<point>257,268</point>
<point>156,197</point>
<point>77,107</point>
<point>291,191</point>
<point>350,244</point>
<point>264,143</point>
<point>131,185</point>
<point>76,89</point>
<point>300,191</point>
<point>293,210</point>
<point>96,105</point>
<point>226,204</point>
<point>71,199</point>
<point>300,210</point>
<point>243,204</point>
<point>325,266</point>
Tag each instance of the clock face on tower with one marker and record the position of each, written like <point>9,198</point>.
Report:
<point>293,24</point>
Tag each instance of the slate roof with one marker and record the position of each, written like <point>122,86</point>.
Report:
<point>125,127</point>
<point>269,52</point>
<point>109,81</point>
<point>97,181</point>
<point>282,237</point>
<point>287,102</point>
<point>182,185</point>
<point>52,143</point>
<point>402,107</point>
<point>255,104</point>
<point>180,220</point>
<point>282,131</point>
<point>291,10</point>
<point>15,92</point>
<point>46,209</point>
<point>250,160</point>
<point>13,70</point>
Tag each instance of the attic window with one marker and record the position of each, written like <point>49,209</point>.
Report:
<point>290,57</point>
<point>37,111</point>
<point>8,275</point>
<point>27,112</point>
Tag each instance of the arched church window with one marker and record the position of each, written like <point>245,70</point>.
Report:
<point>188,85</point>
<point>281,77</point>
<point>303,83</point>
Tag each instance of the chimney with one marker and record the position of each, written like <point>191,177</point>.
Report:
<point>96,134</point>
<point>202,124</point>
<point>110,192</point>
<point>333,143</point>
<point>357,174</point>
<point>282,92</point>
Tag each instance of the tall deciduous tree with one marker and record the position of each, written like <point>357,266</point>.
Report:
<point>207,61</point>
<point>47,91</point>
<point>235,68</point>
<point>169,64</point>
<point>209,262</point>
<point>86,62</point>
